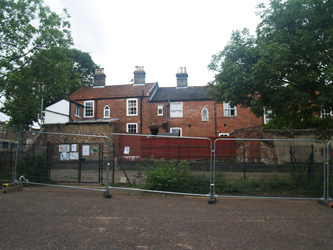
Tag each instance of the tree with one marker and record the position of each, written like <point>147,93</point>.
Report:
<point>51,75</point>
<point>286,68</point>
<point>27,27</point>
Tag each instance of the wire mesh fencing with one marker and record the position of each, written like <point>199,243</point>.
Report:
<point>162,163</point>
<point>211,167</point>
<point>329,172</point>
<point>59,158</point>
<point>271,168</point>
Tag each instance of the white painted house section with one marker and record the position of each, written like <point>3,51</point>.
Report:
<point>57,112</point>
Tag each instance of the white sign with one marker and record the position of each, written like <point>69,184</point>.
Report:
<point>64,156</point>
<point>64,148</point>
<point>85,150</point>
<point>74,155</point>
<point>126,150</point>
<point>74,147</point>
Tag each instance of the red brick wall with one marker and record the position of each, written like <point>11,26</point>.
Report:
<point>191,122</point>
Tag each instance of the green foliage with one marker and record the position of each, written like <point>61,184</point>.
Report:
<point>286,68</point>
<point>27,27</point>
<point>35,168</point>
<point>51,75</point>
<point>35,60</point>
<point>173,177</point>
<point>177,177</point>
<point>299,182</point>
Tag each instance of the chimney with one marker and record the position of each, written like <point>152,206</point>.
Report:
<point>139,75</point>
<point>99,78</point>
<point>182,77</point>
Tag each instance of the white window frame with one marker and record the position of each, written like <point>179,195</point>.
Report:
<point>129,124</point>
<point>204,118</point>
<point>267,113</point>
<point>77,110</point>
<point>106,108</point>
<point>325,114</point>
<point>228,109</point>
<point>159,109</point>
<point>180,130</point>
<point>93,108</point>
<point>175,112</point>
<point>128,106</point>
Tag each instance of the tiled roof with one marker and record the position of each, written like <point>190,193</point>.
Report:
<point>181,94</point>
<point>112,91</point>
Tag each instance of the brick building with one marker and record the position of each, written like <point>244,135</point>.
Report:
<point>146,108</point>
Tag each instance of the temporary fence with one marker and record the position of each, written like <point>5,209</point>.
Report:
<point>199,166</point>
<point>7,153</point>
<point>7,157</point>
<point>179,165</point>
<point>329,172</point>
<point>275,168</point>
<point>61,159</point>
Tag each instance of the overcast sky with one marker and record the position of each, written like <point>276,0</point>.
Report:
<point>159,35</point>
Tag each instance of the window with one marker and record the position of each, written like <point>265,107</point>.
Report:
<point>267,115</point>
<point>325,113</point>
<point>176,109</point>
<point>132,107</point>
<point>160,110</point>
<point>77,110</point>
<point>106,111</point>
<point>132,128</point>
<point>228,110</point>
<point>204,114</point>
<point>177,131</point>
<point>89,109</point>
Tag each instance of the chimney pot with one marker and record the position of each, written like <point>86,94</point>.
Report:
<point>99,78</point>
<point>182,78</point>
<point>139,75</point>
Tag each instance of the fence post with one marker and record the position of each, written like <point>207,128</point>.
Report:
<point>107,193</point>
<point>212,198</point>
<point>244,162</point>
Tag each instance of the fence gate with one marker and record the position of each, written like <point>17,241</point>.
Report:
<point>76,162</point>
<point>59,158</point>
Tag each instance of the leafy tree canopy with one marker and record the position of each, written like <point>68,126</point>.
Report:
<point>26,27</point>
<point>51,75</point>
<point>286,68</point>
<point>37,65</point>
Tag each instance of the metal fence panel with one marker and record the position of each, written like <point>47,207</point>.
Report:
<point>59,158</point>
<point>329,171</point>
<point>162,163</point>
<point>271,168</point>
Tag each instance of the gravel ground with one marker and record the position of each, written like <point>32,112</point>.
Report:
<point>59,218</point>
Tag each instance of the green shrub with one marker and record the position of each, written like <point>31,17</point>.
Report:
<point>173,177</point>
